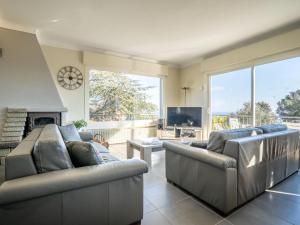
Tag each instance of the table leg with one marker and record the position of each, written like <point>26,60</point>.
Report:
<point>129,150</point>
<point>145,154</point>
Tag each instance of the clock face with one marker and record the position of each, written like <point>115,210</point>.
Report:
<point>69,77</point>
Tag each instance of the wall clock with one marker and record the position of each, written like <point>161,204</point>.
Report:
<point>69,77</point>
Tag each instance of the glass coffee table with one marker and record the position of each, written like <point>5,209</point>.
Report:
<point>144,149</point>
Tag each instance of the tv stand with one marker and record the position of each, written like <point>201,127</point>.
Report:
<point>193,133</point>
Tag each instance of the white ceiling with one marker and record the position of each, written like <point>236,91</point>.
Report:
<point>173,31</point>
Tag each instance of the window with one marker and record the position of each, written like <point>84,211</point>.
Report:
<point>269,93</point>
<point>121,97</point>
<point>231,99</point>
<point>278,92</point>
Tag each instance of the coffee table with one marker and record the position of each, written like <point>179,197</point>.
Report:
<point>145,150</point>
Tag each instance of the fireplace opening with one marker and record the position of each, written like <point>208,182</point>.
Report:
<point>42,121</point>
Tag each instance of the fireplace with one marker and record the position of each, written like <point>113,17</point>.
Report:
<point>41,119</point>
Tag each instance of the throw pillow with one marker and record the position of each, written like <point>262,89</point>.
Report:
<point>50,152</point>
<point>83,154</point>
<point>69,133</point>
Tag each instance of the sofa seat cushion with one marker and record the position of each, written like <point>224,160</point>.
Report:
<point>83,153</point>
<point>270,128</point>
<point>69,133</point>
<point>107,158</point>
<point>50,152</point>
<point>217,139</point>
<point>99,147</point>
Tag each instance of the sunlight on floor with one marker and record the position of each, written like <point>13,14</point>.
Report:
<point>283,193</point>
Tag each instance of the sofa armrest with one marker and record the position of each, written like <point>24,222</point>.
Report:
<point>66,180</point>
<point>203,155</point>
<point>86,136</point>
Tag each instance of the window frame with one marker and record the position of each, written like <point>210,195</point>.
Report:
<point>87,89</point>
<point>252,65</point>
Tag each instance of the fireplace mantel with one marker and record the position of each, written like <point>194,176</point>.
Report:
<point>63,109</point>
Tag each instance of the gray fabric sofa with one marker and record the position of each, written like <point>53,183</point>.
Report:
<point>108,194</point>
<point>236,166</point>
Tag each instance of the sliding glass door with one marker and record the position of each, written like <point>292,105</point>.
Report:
<point>278,92</point>
<point>231,99</point>
<point>263,94</point>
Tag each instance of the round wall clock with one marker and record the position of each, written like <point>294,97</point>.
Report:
<point>69,77</point>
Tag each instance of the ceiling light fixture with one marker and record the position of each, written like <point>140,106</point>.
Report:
<point>54,20</point>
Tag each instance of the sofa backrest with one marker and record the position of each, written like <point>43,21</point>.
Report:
<point>270,128</point>
<point>217,139</point>
<point>20,163</point>
<point>263,160</point>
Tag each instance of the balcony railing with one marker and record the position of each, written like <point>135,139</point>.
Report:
<point>117,128</point>
<point>222,122</point>
<point>101,117</point>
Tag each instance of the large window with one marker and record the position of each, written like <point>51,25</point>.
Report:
<point>270,93</point>
<point>278,92</point>
<point>121,97</point>
<point>231,98</point>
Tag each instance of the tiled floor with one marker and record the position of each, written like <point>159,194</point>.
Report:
<point>165,204</point>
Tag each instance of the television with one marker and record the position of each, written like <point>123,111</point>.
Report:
<point>184,116</point>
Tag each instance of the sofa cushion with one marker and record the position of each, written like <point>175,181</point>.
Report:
<point>107,158</point>
<point>50,152</point>
<point>83,153</point>
<point>217,139</point>
<point>99,147</point>
<point>69,133</point>
<point>86,136</point>
<point>270,128</point>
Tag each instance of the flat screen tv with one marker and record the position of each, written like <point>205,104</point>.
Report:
<point>184,116</point>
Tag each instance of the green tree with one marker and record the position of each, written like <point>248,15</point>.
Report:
<point>290,104</point>
<point>114,96</point>
<point>263,112</point>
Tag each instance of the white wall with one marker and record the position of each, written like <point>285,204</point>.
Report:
<point>77,100</point>
<point>196,95</point>
<point>123,64</point>
<point>171,88</point>
<point>196,76</point>
<point>25,80</point>
<point>73,100</point>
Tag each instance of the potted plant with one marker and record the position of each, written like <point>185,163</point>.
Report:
<point>79,124</point>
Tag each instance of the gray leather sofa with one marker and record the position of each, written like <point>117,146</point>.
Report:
<point>107,194</point>
<point>234,166</point>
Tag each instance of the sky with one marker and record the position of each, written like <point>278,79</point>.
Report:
<point>273,82</point>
